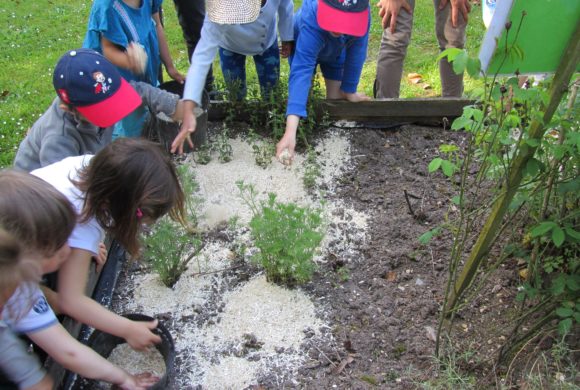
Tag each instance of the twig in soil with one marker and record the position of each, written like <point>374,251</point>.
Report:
<point>324,355</point>
<point>217,271</point>
<point>409,204</point>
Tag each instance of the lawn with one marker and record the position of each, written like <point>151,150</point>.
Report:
<point>36,33</point>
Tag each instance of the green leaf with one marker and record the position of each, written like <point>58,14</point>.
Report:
<point>573,282</point>
<point>533,142</point>
<point>558,236</point>
<point>447,167</point>
<point>564,326</point>
<point>462,123</point>
<point>450,53</point>
<point>460,62</point>
<point>564,312</point>
<point>571,186</point>
<point>575,235</point>
<point>533,167</point>
<point>543,228</point>
<point>435,164</point>
<point>456,200</point>
<point>473,67</point>
<point>558,285</point>
<point>426,237</point>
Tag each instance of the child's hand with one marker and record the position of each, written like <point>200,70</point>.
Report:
<point>140,335</point>
<point>138,382</point>
<point>101,257</point>
<point>187,128</point>
<point>137,58</point>
<point>355,97</point>
<point>285,149</point>
<point>286,49</point>
<point>175,75</point>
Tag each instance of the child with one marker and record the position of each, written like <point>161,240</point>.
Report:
<point>239,29</point>
<point>92,97</point>
<point>128,183</point>
<point>129,33</point>
<point>29,208</point>
<point>334,34</point>
<point>21,367</point>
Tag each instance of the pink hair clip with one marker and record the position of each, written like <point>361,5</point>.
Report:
<point>139,213</point>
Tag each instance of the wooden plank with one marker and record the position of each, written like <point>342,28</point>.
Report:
<point>422,110</point>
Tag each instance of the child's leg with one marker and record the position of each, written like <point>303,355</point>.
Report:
<point>268,69</point>
<point>234,71</point>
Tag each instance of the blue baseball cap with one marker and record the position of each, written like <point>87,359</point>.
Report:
<point>86,80</point>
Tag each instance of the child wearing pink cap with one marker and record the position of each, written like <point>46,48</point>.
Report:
<point>334,34</point>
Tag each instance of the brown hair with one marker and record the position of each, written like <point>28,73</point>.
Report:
<point>129,179</point>
<point>34,212</point>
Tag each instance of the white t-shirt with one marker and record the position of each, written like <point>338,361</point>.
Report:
<point>27,310</point>
<point>87,235</point>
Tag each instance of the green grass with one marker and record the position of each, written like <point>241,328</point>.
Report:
<point>35,34</point>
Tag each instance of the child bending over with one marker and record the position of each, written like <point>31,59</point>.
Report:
<point>128,183</point>
<point>334,34</point>
<point>92,97</point>
<point>41,219</point>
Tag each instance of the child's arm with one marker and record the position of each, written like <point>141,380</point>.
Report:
<point>72,281</point>
<point>74,356</point>
<point>126,59</point>
<point>164,51</point>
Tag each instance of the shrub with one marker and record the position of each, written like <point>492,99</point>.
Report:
<point>287,236</point>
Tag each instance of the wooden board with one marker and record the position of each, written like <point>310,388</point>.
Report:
<point>387,111</point>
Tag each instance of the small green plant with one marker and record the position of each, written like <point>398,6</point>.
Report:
<point>190,188</point>
<point>222,146</point>
<point>311,169</point>
<point>262,148</point>
<point>343,274</point>
<point>203,154</point>
<point>287,236</point>
<point>166,247</point>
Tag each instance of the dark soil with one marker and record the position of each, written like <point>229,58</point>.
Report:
<point>383,301</point>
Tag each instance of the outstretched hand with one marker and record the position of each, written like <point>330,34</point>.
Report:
<point>187,128</point>
<point>389,11</point>
<point>457,7</point>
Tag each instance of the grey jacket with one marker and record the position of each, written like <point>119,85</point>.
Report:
<point>58,134</point>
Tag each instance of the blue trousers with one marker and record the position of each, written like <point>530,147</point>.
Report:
<point>267,67</point>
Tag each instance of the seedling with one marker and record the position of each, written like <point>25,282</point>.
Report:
<point>287,236</point>
<point>262,148</point>
<point>222,146</point>
<point>203,154</point>
<point>311,169</point>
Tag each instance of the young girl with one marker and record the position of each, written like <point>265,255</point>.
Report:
<point>42,219</point>
<point>128,183</point>
<point>124,30</point>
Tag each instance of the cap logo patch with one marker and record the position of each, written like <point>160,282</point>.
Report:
<point>101,85</point>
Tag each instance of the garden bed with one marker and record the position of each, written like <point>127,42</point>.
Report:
<point>369,316</point>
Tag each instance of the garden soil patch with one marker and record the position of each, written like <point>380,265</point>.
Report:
<point>367,320</point>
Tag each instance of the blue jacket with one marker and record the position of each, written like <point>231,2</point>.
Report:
<point>315,45</point>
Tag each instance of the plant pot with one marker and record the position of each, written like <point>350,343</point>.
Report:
<point>104,344</point>
<point>164,131</point>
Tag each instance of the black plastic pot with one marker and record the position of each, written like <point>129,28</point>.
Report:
<point>104,343</point>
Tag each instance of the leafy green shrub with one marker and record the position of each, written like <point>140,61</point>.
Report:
<point>167,244</point>
<point>203,154</point>
<point>165,250</point>
<point>222,146</point>
<point>287,236</point>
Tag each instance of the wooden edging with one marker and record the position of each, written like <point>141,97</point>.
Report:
<point>375,111</point>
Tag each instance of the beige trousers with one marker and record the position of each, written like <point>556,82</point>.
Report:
<point>394,49</point>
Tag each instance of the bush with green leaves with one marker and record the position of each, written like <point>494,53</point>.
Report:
<point>286,235</point>
<point>518,196</point>
<point>169,248</point>
<point>223,147</point>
